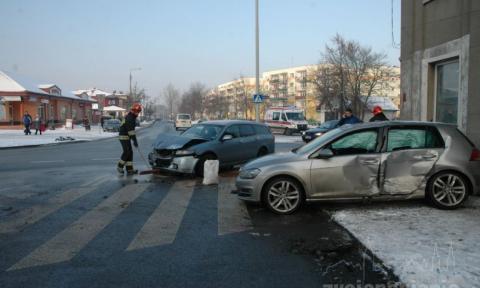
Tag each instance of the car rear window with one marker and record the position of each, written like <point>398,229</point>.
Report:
<point>246,130</point>
<point>183,117</point>
<point>261,130</point>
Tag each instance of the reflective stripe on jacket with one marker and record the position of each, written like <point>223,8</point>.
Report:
<point>127,129</point>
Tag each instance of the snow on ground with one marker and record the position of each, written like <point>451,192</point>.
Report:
<point>425,246</point>
<point>287,139</point>
<point>15,138</point>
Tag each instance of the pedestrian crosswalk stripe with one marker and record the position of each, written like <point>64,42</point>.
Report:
<point>34,214</point>
<point>233,216</point>
<point>65,245</point>
<point>96,181</point>
<point>162,226</point>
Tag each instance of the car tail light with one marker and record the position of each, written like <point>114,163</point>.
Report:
<point>475,156</point>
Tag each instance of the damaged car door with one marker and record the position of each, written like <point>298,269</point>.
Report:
<point>351,169</point>
<point>410,154</point>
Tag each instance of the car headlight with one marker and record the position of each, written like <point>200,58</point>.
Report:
<point>184,153</point>
<point>318,134</point>
<point>249,173</point>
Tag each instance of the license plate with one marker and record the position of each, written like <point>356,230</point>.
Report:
<point>308,137</point>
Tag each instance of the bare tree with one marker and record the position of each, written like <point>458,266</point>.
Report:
<point>192,100</point>
<point>171,97</point>
<point>216,105</point>
<point>352,71</point>
<point>325,80</point>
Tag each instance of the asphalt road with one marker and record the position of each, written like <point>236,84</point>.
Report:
<point>68,220</point>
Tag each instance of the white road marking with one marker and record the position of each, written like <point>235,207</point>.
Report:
<point>105,159</point>
<point>65,245</point>
<point>47,161</point>
<point>95,181</point>
<point>233,216</point>
<point>162,226</point>
<point>34,214</point>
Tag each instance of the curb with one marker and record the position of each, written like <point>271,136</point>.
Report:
<point>68,142</point>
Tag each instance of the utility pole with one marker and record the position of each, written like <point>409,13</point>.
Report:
<point>257,62</point>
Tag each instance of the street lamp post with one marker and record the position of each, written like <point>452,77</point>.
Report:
<point>130,100</point>
<point>257,70</point>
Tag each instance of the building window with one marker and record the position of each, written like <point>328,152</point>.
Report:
<point>63,113</point>
<point>446,88</point>
<point>3,112</point>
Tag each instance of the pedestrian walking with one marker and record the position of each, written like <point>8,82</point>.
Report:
<point>37,124</point>
<point>86,123</point>
<point>378,114</point>
<point>348,118</point>
<point>27,121</point>
<point>126,137</point>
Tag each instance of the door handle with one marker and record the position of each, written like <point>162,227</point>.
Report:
<point>425,157</point>
<point>429,156</point>
<point>370,161</point>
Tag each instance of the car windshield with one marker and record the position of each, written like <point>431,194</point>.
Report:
<point>204,131</point>
<point>329,124</point>
<point>315,144</point>
<point>296,116</point>
<point>183,117</point>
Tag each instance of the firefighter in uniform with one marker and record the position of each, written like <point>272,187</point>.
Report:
<point>126,136</point>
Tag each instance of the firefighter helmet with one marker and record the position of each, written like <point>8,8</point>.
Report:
<point>377,110</point>
<point>136,108</point>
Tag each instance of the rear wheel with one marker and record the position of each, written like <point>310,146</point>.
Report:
<point>288,131</point>
<point>201,163</point>
<point>262,152</point>
<point>283,195</point>
<point>447,190</point>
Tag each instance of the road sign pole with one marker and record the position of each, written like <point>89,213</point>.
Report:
<point>257,70</point>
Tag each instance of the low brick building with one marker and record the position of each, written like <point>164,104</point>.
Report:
<point>19,94</point>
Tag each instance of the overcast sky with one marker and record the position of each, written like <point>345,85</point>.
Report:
<point>84,44</point>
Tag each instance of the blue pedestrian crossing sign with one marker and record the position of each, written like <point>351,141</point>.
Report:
<point>257,98</point>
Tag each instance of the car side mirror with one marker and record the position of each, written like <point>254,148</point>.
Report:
<point>325,153</point>
<point>227,137</point>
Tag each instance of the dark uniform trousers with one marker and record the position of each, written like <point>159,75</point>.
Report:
<point>126,136</point>
<point>126,160</point>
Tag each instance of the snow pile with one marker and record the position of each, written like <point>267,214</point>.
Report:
<point>423,245</point>
<point>15,138</point>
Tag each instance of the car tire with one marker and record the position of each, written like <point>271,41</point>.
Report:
<point>283,195</point>
<point>262,152</point>
<point>201,163</point>
<point>447,190</point>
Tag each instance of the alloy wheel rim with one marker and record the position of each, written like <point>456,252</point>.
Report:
<point>283,196</point>
<point>449,190</point>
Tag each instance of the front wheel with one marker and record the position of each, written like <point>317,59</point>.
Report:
<point>283,195</point>
<point>201,163</point>
<point>447,190</point>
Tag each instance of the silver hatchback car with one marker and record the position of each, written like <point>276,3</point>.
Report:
<point>394,159</point>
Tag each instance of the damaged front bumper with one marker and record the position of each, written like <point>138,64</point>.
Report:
<point>179,164</point>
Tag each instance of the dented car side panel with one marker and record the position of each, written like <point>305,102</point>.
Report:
<point>345,176</point>
<point>405,172</point>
